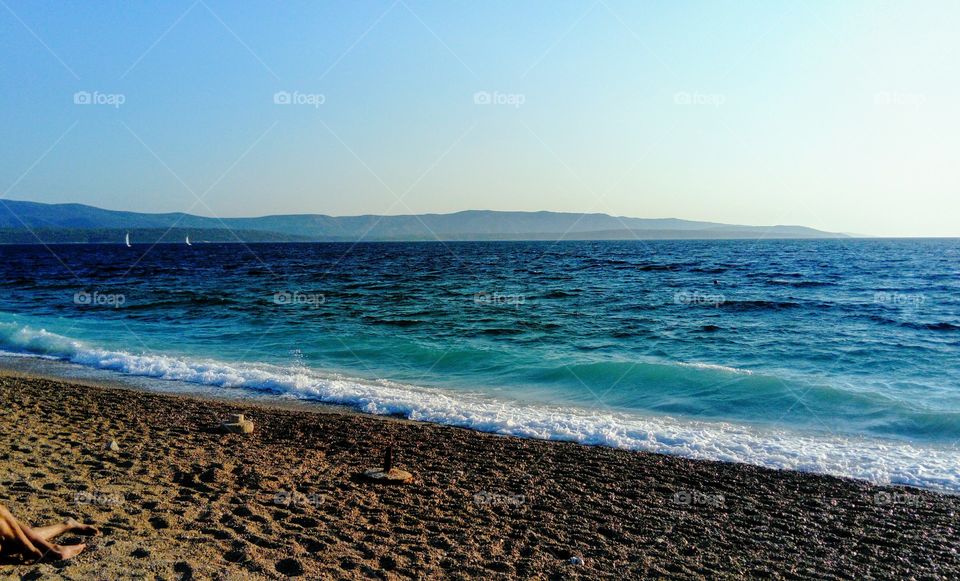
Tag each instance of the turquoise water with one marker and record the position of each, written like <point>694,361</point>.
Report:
<point>834,356</point>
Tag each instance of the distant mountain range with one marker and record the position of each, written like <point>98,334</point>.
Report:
<point>25,222</point>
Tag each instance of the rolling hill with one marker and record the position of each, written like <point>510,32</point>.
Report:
<point>26,222</point>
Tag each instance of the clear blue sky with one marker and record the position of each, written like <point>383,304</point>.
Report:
<point>837,115</point>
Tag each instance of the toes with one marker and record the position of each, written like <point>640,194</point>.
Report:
<point>70,551</point>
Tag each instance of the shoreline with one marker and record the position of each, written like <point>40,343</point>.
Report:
<point>180,498</point>
<point>884,462</point>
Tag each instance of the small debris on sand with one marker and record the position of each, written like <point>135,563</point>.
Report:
<point>393,476</point>
<point>238,424</point>
<point>388,474</point>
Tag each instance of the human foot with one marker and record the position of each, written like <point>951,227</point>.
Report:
<point>64,552</point>
<point>82,529</point>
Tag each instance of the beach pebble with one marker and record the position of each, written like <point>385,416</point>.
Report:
<point>393,476</point>
<point>113,446</point>
<point>576,560</point>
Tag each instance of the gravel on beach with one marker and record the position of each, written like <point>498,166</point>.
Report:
<point>178,497</point>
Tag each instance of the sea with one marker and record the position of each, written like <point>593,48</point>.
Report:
<point>836,356</point>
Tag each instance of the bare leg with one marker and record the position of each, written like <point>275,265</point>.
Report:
<point>14,539</point>
<point>27,542</point>
<point>69,526</point>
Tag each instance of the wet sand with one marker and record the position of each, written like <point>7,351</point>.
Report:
<point>182,499</point>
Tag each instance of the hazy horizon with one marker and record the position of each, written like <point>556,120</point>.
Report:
<point>207,215</point>
<point>400,214</point>
<point>836,117</point>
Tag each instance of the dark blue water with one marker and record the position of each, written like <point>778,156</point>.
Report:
<point>837,356</point>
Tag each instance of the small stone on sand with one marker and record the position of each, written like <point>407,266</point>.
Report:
<point>392,476</point>
<point>113,446</point>
<point>238,424</point>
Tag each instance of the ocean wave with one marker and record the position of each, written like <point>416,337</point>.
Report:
<point>659,267</point>
<point>800,283</point>
<point>192,300</point>
<point>501,331</point>
<point>715,367</point>
<point>939,326</point>
<point>711,269</point>
<point>394,322</point>
<point>758,305</point>
<point>16,355</point>
<point>880,461</point>
<point>916,325</point>
<point>559,294</point>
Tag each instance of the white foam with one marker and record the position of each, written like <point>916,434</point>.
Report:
<point>715,367</point>
<point>878,461</point>
<point>27,355</point>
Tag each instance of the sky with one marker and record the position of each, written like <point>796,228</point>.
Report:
<point>841,116</point>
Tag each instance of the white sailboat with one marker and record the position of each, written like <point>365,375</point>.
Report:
<point>188,240</point>
<point>127,239</point>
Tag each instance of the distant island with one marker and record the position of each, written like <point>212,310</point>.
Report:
<point>24,222</point>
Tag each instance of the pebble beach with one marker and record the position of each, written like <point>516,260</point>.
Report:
<point>180,497</point>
